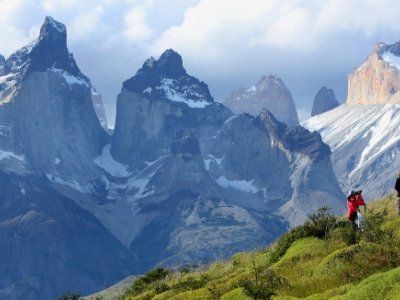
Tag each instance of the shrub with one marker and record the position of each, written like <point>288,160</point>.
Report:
<point>319,224</point>
<point>349,235</point>
<point>263,283</point>
<point>373,227</point>
<point>191,283</point>
<point>70,296</point>
<point>146,281</point>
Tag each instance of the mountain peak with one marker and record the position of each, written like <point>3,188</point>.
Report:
<point>51,26</point>
<point>377,80</point>
<point>170,62</point>
<point>324,100</point>
<point>166,78</point>
<point>269,92</point>
<point>150,62</point>
<point>48,51</point>
<point>269,78</point>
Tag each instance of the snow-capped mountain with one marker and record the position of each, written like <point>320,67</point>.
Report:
<point>363,133</point>
<point>47,111</point>
<point>166,78</point>
<point>49,138</point>
<point>324,100</point>
<point>270,93</point>
<point>200,164</point>
<point>181,180</point>
<point>365,143</point>
<point>377,80</point>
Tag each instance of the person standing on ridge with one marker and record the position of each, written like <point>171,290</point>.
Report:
<point>397,188</point>
<point>354,200</point>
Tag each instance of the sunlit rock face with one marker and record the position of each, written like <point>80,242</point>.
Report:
<point>377,80</point>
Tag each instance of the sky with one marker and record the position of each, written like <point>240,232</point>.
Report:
<point>225,43</point>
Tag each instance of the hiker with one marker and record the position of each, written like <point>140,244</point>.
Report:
<point>354,200</point>
<point>397,188</point>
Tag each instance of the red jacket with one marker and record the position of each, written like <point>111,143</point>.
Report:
<point>353,202</point>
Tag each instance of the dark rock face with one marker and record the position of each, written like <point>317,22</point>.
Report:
<point>270,93</point>
<point>49,138</point>
<point>47,52</point>
<point>56,245</point>
<point>167,79</point>
<point>324,100</point>
<point>295,139</point>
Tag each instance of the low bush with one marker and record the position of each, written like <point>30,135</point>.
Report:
<point>319,224</point>
<point>262,283</point>
<point>150,280</point>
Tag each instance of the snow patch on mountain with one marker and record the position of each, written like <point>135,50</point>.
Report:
<point>111,166</point>
<point>211,158</point>
<point>392,59</point>
<point>70,79</point>
<point>379,140</point>
<point>240,185</point>
<point>9,155</point>
<point>84,189</point>
<point>172,94</point>
<point>365,144</point>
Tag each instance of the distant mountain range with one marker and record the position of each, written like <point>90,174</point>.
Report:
<point>181,179</point>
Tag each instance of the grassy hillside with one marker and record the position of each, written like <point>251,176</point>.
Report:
<point>322,259</point>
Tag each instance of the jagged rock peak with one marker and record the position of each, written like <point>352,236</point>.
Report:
<point>167,79</point>
<point>270,77</point>
<point>269,92</point>
<point>171,64</point>
<point>377,80</point>
<point>380,48</point>
<point>52,29</point>
<point>324,100</point>
<point>48,51</point>
<point>295,139</point>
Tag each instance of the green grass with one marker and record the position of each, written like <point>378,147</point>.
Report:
<point>323,259</point>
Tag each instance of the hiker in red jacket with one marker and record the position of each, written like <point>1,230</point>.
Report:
<point>354,200</point>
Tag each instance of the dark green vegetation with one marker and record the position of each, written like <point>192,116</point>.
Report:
<point>322,259</point>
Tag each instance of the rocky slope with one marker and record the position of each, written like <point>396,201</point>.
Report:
<point>188,159</point>
<point>270,93</point>
<point>324,100</point>
<point>365,143</point>
<point>377,80</point>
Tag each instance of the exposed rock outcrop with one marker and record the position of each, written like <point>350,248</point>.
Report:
<point>377,80</point>
<point>270,93</point>
<point>324,100</point>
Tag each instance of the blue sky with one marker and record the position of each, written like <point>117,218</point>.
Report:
<point>226,43</point>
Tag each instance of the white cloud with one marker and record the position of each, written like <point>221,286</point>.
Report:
<point>303,25</point>
<point>87,24</point>
<point>13,24</point>
<point>135,22</point>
